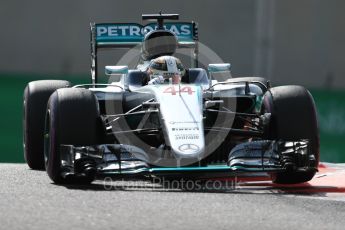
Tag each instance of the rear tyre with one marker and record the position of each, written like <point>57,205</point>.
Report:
<point>36,95</point>
<point>72,118</point>
<point>293,117</point>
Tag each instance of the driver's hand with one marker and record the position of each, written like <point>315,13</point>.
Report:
<point>156,80</point>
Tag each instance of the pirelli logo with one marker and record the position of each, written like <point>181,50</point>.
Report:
<point>186,129</point>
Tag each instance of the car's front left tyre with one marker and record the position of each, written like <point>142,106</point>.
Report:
<point>36,95</point>
<point>293,117</point>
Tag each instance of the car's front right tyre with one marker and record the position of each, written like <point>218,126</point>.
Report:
<point>72,118</point>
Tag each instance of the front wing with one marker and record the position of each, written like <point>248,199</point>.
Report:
<point>247,159</point>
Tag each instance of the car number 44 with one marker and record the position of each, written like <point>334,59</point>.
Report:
<point>173,90</point>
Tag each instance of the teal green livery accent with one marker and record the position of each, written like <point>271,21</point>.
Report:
<point>211,171</point>
<point>258,103</point>
<point>223,168</point>
<point>207,168</point>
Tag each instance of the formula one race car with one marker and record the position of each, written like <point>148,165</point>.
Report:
<point>207,125</point>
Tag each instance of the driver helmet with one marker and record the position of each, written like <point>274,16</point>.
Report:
<point>167,68</point>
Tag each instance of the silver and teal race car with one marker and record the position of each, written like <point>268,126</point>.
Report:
<point>209,126</point>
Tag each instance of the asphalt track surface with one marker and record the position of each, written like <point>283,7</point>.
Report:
<point>28,200</point>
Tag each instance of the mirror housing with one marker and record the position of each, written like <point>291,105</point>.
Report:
<point>219,72</point>
<point>219,68</point>
<point>117,69</point>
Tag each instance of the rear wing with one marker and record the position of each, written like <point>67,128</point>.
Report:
<point>129,35</point>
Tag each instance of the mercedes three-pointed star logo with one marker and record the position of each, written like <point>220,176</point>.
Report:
<point>189,148</point>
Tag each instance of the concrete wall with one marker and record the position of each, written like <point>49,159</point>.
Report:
<point>310,42</point>
<point>305,44</point>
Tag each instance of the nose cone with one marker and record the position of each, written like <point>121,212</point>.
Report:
<point>181,112</point>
